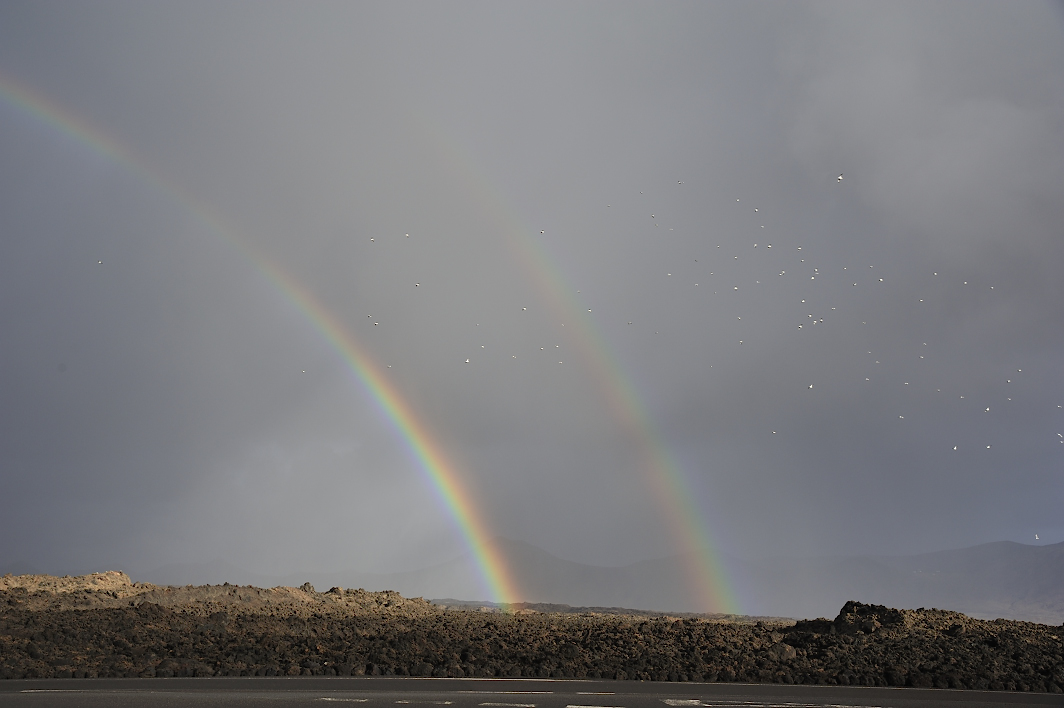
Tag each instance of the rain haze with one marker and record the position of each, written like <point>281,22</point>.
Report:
<point>337,288</point>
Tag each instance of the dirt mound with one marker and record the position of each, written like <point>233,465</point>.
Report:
<point>104,625</point>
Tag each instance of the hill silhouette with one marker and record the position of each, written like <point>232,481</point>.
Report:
<point>1002,579</point>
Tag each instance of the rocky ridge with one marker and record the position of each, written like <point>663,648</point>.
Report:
<point>114,589</point>
<point>106,625</point>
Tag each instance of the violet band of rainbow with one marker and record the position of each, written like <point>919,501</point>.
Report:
<point>421,444</point>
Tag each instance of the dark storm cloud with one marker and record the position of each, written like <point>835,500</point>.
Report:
<point>170,404</point>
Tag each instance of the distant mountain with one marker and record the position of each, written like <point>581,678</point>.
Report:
<point>992,580</point>
<point>1004,579</point>
<point>540,576</point>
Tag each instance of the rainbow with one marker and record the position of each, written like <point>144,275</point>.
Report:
<point>665,478</point>
<point>422,445</point>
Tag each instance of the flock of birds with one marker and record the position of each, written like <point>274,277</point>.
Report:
<point>715,278</point>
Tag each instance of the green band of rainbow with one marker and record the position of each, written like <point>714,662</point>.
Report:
<point>418,439</point>
<point>707,576</point>
<point>673,495</point>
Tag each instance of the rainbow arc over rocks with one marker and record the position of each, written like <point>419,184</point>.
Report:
<point>706,574</point>
<point>416,435</point>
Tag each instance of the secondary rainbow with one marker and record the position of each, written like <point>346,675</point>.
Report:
<point>416,435</point>
<point>665,478</point>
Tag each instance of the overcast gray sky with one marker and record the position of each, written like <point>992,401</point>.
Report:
<point>886,378</point>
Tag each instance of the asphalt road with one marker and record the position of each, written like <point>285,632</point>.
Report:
<point>478,693</point>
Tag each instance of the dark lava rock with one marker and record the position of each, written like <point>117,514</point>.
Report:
<point>117,628</point>
<point>782,652</point>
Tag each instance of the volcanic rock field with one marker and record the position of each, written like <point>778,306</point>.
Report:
<point>104,625</point>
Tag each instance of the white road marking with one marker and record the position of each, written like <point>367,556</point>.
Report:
<point>344,700</point>
<point>595,693</point>
<point>510,705</point>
